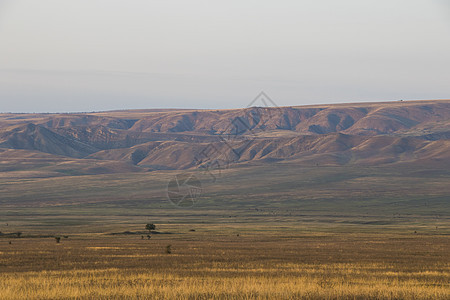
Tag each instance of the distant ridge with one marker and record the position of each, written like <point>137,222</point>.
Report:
<point>39,138</point>
<point>333,134</point>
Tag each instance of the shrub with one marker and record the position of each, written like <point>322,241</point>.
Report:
<point>150,227</point>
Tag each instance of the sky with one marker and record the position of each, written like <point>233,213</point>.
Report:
<point>92,55</point>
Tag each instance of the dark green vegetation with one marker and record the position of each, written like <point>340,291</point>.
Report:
<point>314,198</point>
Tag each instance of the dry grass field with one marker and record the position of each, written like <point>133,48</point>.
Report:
<point>260,233</point>
<point>202,265</point>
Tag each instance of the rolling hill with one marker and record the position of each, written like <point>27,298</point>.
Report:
<point>412,132</point>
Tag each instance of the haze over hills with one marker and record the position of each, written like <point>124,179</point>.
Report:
<point>413,132</point>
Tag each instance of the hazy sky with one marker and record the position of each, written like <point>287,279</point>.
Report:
<point>85,55</point>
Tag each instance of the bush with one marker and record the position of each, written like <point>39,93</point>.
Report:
<point>150,227</point>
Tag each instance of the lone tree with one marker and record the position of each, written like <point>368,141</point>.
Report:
<point>150,227</point>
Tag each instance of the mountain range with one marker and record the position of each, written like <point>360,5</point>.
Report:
<point>411,132</point>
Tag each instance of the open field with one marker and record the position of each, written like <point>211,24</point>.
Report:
<point>260,233</point>
<point>317,199</point>
<point>205,265</point>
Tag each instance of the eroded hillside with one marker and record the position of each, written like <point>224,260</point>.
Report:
<point>143,140</point>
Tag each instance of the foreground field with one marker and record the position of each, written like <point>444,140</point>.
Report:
<point>227,266</point>
<point>282,231</point>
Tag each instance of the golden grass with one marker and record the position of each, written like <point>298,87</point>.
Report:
<point>301,281</point>
<point>251,267</point>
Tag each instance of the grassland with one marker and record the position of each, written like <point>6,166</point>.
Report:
<point>204,265</point>
<point>261,232</point>
<point>336,199</point>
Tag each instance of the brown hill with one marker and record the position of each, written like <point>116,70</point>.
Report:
<point>36,137</point>
<point>334,149</point>
<point>128,141</point>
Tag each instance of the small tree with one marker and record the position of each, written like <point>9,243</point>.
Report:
<point>150,227</point>
<point>168,249</point>
<point>19,234</point>
<point>58,239</point>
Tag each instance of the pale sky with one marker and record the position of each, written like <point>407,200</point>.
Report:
<point>90,55</point>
